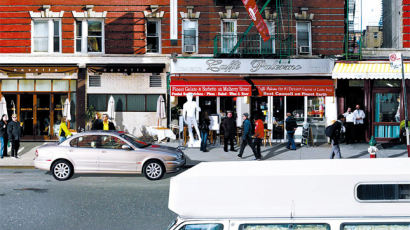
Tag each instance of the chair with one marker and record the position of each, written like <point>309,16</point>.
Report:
<point>267,138</point>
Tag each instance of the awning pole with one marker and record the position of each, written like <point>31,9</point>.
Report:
<point>405,108</point>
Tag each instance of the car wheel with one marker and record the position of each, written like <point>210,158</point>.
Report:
<point>153,170</point>
<point>62,170</point>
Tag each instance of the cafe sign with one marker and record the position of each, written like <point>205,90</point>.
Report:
<point>253,66</point>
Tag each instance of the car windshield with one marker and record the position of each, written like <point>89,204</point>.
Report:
<point>134,140</point>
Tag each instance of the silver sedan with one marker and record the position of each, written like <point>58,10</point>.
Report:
<point>107,152</point>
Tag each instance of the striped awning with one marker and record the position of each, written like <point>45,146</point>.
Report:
<point>368,70</point>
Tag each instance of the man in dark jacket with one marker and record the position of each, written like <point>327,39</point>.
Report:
<point>229,130</point>
<point>14,133</point>
<point>291,126</point>
<point>247,137</point>
<point>334,138</point>
<point>106,124</point>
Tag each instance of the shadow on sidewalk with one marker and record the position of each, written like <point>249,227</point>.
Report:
<point>363,153</point>
<point>272,152</point>
<point>398,155</point>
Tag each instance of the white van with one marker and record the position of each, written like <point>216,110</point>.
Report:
<point>347,194</point>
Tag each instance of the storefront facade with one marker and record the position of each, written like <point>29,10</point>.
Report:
<point>38,95</point>
<point>378,90</point>
<point>268,87</point>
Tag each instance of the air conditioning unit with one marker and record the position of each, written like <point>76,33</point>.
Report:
<point>189,48</point>
<point>304,49</point>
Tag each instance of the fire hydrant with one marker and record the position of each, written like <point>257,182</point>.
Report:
<point>372,148</point>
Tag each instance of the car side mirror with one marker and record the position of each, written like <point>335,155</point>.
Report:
<point>126,147</point>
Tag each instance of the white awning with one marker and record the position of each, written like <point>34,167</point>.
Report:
<point>368,70</point>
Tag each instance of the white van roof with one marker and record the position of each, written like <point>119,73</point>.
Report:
<point>297,188</point>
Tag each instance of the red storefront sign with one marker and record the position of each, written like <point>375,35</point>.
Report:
<point>316,88</point>
<point>257,19</point>
<point>234,88</point>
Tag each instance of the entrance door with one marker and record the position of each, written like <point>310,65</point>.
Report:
<point>42,127</point>
<point>27,115</point>
<point>58,105</point>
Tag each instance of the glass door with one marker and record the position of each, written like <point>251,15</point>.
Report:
<point>42,126</point>
<point>58,105</point>
<point>27,114</point>
<point>386,115</point>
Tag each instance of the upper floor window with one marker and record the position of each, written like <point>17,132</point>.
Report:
<point>268,47</point>
<point>229,35</point>
<point>190,35</point>
<point>304,37</point>
<point>153,36</point>
<point>89,36</point>
<point>46,35</point>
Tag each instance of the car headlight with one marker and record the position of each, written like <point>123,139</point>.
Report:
<point>179,156</point>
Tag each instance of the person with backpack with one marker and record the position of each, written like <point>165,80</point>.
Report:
<point>291,126</point>
<point>333,131</point>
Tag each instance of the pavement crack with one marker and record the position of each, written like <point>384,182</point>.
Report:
<point>37,190</point>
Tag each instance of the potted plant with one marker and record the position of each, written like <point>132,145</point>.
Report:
<point>89,116</point>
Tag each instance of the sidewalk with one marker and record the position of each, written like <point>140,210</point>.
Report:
<point>277,151</point>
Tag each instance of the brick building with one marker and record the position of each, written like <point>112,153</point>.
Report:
<point>87,51</point>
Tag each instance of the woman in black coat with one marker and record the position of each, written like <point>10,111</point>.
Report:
<point>3,136</point>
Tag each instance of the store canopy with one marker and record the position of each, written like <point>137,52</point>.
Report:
<point>210,87</point>
<point>368,70</point>
<point>279,87</point>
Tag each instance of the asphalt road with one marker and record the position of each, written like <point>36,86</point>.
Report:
<point>33,199</point>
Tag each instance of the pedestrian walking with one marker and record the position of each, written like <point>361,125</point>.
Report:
<point>3,136</point>
<point>291,126</point>
<point>337,129</point>
<point>359,116</point>
<point>259,135</point>
<point>247,137</point>
<point>97,123</point>
<point>14,134</point>
<point>229,131</point>
<point>204,129</point>
<point>63,132</point>
<point>349,125</point>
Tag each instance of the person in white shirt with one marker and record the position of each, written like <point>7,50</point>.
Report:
<point>349,126</point>
<point>359,123</point>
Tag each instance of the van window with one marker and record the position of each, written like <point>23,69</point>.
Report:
<point>284,227</point>
<point>387,192</point>
<point>376,226</point>
<point>202,227</point>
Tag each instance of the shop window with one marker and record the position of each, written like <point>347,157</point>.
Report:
<point>73,85</point>
<point>316,108</point>
<point>119,100</point>
<point>303,37</point>
<point>8,85</point>
<point>356,83</point>
<point>89,37</point>
<point>153,36</point>
<point>60,85</point>
<point>155,80</point>
<point>73,107</point>
<point>387,84</point>
<point>228,35</point>
<point>98,101</point>
<point>190,36</point>
<point>296,106</point>
<point>43,85</point>
<point>124,102</point>
<point>152,103</point>
<point>136,103</point>
<point>46,35</point>
<point>268,47</point>
<point>387,109</point>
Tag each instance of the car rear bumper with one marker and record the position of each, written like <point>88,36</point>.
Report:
<point>174,166</point>
<point>43,165</point>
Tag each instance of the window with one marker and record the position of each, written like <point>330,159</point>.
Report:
<point>228,35</point>
<point>268,47</point>
<point>387,109</point>
<point>46,36</point>
<point>375,35</point>
<point>89,36</point>
<point>284,226</point>
<point>203,227</point>
<point>190,36</point>
<point>94,81</point>
<point>376,226</point>
<point>125,102</point>
<point>303,36</point>
<point>153,36</point>
<point>89,141</point>
<point>110,142</point>
<point>386,192</point>
<point>316,109</point>
<point>155,80</point>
